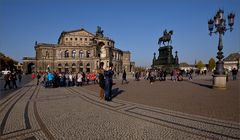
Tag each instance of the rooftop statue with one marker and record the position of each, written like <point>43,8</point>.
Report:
<point>99,31</point>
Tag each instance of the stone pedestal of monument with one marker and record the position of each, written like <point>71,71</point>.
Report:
<point>219,81</point>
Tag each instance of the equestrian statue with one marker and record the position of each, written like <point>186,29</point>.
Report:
<point>165,38</point>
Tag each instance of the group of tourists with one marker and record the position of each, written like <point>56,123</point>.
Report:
<point>11,78</point>
<point>57,79</point>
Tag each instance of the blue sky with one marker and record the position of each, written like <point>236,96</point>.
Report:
<point>134,25</point>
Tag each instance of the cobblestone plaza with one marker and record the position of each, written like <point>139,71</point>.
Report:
<point>139,110</point>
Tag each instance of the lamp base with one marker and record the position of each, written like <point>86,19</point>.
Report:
<point>219,82</point>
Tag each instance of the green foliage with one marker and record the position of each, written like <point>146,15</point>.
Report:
<point>139,69</point>
<point>211,64</point>
<point>200,65</point>
<point>6,62</point>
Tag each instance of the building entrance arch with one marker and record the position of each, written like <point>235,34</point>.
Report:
<point>30,68</point>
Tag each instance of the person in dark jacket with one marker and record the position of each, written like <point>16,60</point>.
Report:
<point>108,83</point>
<point>234,73</point>
<point>124,77</point>
<point>7,80</point>
<point>13,78</point>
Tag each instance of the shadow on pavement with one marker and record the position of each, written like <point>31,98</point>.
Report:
<point>116,92</point>
<point>200,84</point>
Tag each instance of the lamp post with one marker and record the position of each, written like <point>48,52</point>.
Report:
<point>218,25</point>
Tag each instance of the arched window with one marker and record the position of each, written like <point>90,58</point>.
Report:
<point>74,54</point>
<point>88,54</point>
<point>66,54</point>
<point>47,54</point>
<point>88,69</point>
<point>73,65</point>
<point>81,67</point>
<point>81,54</point>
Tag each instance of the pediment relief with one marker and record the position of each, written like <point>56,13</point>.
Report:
<point>80,33</point>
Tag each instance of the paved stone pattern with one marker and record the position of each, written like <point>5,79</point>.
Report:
<point>192,97</point>
<point>35,112</point>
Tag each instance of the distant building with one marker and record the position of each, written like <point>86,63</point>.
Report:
<point>78,50</point>
<point>185,66</point>
<point>232,61</point>
<point>19,66</point>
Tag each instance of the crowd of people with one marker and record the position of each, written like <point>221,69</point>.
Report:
<point>60,79</point>
<point>104,77</point>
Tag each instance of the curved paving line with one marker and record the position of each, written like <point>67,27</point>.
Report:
<point>11,96</point>
<point>182,117</point>
<point>39,120</point>
<point>198,119</point>
<point>186,118</point>
<point>21,134</point>
<point>2,126</point>
<point>10,99</point>
<point>26,116</point>
<point>112,109</point>
<point>186,126</point>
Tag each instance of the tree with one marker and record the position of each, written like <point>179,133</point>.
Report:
<point>200,65</point>
<point>139,69</point>
<point>211,64</point>
<point>6,62</point>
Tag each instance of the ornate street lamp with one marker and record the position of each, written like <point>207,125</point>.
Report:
<point>219,24</point>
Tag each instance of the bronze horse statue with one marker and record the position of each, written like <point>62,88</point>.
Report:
<point>165,38</point>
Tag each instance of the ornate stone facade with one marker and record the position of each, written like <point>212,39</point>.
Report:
<point>79,50</point>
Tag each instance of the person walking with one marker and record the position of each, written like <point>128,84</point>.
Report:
<point>7,81</point>
<point>38,77</point>
<point>234,73</point>
<point>33,75</point>
<point>19,77</point>
<point>151,75</point>
<point>124,77</point>
<point>13,78</point>
<point>93,78</point>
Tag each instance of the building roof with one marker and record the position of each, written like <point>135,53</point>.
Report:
<point>233,57</point>
<point>71,31</point>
